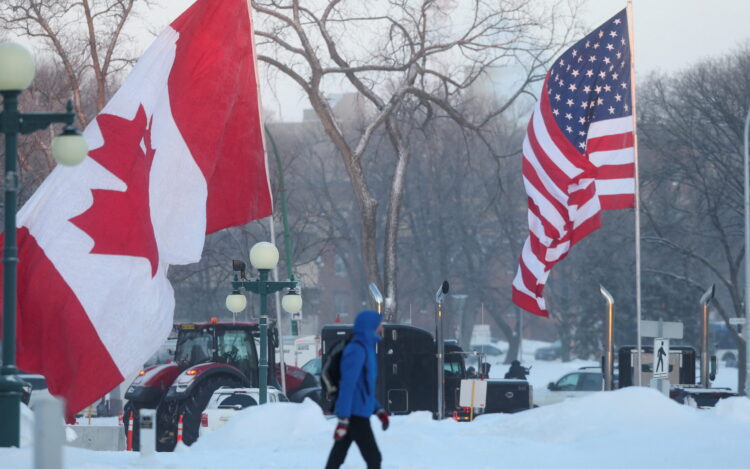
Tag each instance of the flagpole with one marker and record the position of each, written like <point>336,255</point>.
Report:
<point>747,255</point>
<point>279,329</point>
<point>637,193</point>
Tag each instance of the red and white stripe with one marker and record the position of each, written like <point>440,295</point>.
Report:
<point>566,192</point>
<point>610,148</point>
<point>87,319</point>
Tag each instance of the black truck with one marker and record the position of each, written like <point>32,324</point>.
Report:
<point>407,372</point>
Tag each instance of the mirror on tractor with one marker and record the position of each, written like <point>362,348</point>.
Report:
<point>712,373</point>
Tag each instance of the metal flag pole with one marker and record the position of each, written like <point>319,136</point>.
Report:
<point>747,253</point>
<point>271,221</point>
<point>637,194</point>
<point>282,364</point>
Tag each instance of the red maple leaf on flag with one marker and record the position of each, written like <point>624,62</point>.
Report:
<point>120,222</point>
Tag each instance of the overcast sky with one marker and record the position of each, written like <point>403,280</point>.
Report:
<point>669,34</point>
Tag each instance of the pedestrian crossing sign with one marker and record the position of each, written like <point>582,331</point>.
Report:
<point>661,358</point>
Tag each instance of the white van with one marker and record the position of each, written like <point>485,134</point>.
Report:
<point>305,349</point>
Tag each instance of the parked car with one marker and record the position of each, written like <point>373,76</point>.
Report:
<point>225,402</point>
<point>550,352</point>
<point>487,349</point>
<point>314,367</point>
<point>577,383</point>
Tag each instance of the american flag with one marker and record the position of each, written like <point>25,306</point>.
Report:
<point>578,155</point>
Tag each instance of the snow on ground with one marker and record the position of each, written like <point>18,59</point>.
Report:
<point>726,377</point>
<point>629,428</point>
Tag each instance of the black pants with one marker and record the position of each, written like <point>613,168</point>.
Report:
<point>361,433</point>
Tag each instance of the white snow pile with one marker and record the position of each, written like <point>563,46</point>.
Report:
<point>629,428</point>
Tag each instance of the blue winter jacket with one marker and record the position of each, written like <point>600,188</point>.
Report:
<point>359,371</point>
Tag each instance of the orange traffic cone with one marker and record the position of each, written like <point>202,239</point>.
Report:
<point>179,429</point>
<point>130,432</point>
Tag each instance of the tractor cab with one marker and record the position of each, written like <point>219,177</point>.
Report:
<point>232,344</point>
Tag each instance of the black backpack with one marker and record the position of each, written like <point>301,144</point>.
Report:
<point>330,374</point>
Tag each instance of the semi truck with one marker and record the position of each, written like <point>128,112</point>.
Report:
<point>407,372</point>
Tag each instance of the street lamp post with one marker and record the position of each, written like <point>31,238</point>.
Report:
<point>263,256</point>
<point>17,70</point>
<point>609,356</point>
<point>705,301</point>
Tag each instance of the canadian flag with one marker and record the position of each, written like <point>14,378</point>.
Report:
<point>176,153</point>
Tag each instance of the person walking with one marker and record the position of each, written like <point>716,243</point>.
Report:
<point>356,400</point>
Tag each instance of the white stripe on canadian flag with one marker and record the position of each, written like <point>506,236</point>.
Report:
<point>175,154</point>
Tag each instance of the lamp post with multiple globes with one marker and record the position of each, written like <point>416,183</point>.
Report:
<point>263,256</point>
<point>17,70</point>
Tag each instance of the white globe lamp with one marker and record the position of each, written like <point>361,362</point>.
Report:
<point>236,303</point>
<point>264,255</point>
<point>69,148</point>
<point>17,67</point>
<point>292,302</point>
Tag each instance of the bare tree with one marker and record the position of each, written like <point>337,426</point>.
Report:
<point>86,37</point>
<point>694,122</point>
<point>401,55</point>
<point>84,49</point>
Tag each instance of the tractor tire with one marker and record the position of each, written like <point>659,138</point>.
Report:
<point>132,409</point>
<point>191,407</point>
<point>167,414</point>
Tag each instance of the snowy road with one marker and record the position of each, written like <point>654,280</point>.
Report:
<point>626,429</point>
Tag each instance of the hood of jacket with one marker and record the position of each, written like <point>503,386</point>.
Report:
<point>366,325</point>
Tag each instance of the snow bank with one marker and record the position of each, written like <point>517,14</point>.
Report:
<point>625,429</point>
<point>267,426</point>
<point>27,426</point>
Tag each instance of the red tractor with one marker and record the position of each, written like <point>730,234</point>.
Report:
<point>207,357</point>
